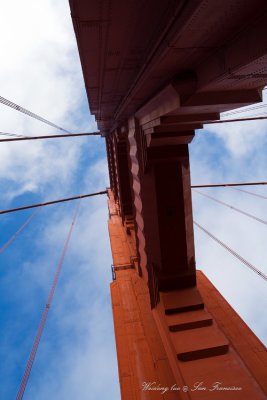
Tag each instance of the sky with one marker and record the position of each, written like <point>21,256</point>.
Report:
<point>40,70</point>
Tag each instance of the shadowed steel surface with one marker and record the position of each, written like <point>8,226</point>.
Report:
<point>150,88</point>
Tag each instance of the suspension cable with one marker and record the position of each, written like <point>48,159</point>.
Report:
<point>245,262</point>
<point>253,194</point>
<point>11,134</point>
<point>229,184</point>
<point>29,113</point>
<point>223,121</point>
<point>13,237</point>
<point>256,107</point>
<point>50,136</point>
<point>41,326</point>
<point>47,203</point>
<point>232,207</point>
<point>257,114</point>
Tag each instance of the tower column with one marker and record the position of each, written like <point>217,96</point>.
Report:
<point>163,210</point>
<point>176,266</point>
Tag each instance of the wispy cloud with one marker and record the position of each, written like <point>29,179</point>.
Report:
<point>40,70</point>
<point>233,153</point>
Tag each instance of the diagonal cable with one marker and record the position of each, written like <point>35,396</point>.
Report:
<point>226,113</point>
<point>47,203</point>
<point>44,137</point>
<point>13,237</point>
<point>233,208</point>
<point>12,135</point>
<point>234,253</point>
<point>10,104</point>
<point>252,194</point>
<point>223,121</point>
<point>229,184</point>
<point>41,326</point>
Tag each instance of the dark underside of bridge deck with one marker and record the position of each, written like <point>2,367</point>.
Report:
<point>131,50</point>
<point>154,72</point>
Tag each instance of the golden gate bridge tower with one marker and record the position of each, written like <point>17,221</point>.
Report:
<point>155,71</point>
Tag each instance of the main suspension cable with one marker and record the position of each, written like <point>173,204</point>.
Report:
<point>235,254</point>
<point>232,207</point>
<point>17,139</point>
<point>226,113</point>
<point>223,121</point>
<point>11,134</point>
<point>13,237</point>
<point>47,203</point>
<point>41,326</point>
<point>22,137</point>
<point>29,113</point>
<point>229,184</point>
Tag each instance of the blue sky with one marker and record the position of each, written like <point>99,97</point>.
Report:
<point>40,70</point>
<point>233,153</point>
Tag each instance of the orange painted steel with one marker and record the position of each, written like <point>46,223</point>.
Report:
<point>192,345</point>
<point>249,348</point>
<point>141,355</point>
<point>150,89</point>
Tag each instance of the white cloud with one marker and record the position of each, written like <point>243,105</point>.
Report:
<point>82,357</point>
<point>241,138</point>
<point>96,176</point>
<point>40,70</point>
<point>34,167</point>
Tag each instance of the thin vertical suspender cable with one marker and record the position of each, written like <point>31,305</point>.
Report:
<point>233,208</point>
<point>245,262</point>
<point>13,237</point>
<point>41,326</point>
